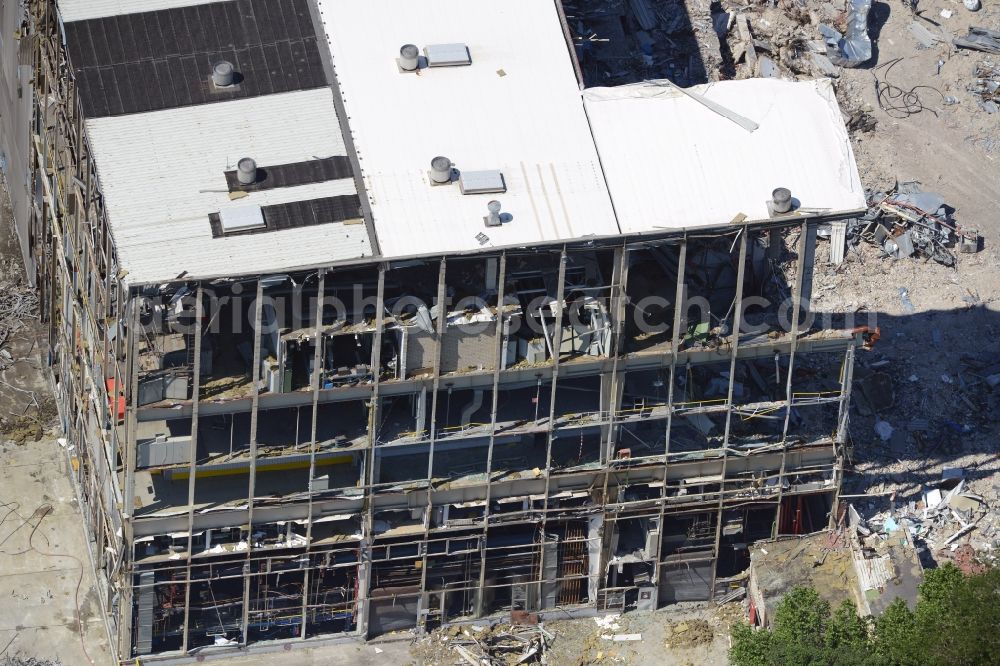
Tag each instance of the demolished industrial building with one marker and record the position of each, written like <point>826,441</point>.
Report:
<point>368,316</point>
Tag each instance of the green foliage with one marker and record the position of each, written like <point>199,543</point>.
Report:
<point>957,618</point>
<point>801,618</point>
<point>750,648</point>
<point>846,630</point>
<point>894,634</point>
<point>956,623</point>
<point>805,632</point>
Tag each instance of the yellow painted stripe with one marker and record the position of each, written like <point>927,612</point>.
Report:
<point>262,467</point>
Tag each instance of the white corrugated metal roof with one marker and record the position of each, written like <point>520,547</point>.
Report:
<point>79,10</point>
<point>163,173</point>
<point>516,108</point>
<point>671,162</point>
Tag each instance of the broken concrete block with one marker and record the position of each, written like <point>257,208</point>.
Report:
<point>923,35</point>
<point>824,66</point>
<point>767,68</point>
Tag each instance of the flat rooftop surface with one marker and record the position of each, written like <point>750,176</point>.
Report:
<point>517,108</point>
<point>672,162</point>
<point>344,166</point>
<point>167,139</point>
<point>163,175</point>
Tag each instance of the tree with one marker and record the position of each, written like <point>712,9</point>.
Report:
<point>956,622</point>
<point>895,633</point>
<point>806,632</point>
<point>750,648</point>
<point>957,617</point>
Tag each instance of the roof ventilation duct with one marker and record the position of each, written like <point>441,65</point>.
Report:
<point>493,219</point>
<point>781,201</point>
<point>223,74</point>
<point>440,170</point>
<point>246,171</point>
<point>409,57</point>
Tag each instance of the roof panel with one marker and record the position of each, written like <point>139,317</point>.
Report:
<point>159,197</point>
<point>197,36</point>
<point>517,108</point>
<point>671,162</point>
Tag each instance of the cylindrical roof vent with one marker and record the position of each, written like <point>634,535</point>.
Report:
<point>408,57</point>
<point>246,171</point>
<point>493,219</point>
<point>223,74</point>
<point>441,170</point>
<point>781,200</point>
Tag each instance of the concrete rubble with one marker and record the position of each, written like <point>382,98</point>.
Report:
<point>945,519</point>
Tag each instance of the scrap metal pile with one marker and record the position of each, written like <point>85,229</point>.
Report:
<point>501,645</point>
<point>985,88</point>
<point>908,222</point>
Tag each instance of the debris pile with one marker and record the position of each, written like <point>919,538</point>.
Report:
<point>625,41</point>
<point>908,222</point>
<point>948,520</point>
<point>18,304</point>
<point>22,660</point>
<point>854,48</point>
<point>985,88</point>
<point>979,39</point>
<point>497,645</point>
<point>688,634</point>
<point>799,40</point>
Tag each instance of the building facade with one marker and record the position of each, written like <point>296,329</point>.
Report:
<point>278,443</point>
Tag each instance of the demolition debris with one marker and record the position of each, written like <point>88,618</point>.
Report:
<point>980,39</point>
<point>947,520</point>
<point>483,645</point>
<point>908,222</point>
<point>985,88</point>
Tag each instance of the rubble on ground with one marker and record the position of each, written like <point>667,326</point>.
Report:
<point>980,39</point>
<point>22,660</point>
<point>487,645</point>
<point>26,414</point>
<point>985,87</point>
<point>948,520</point>
<point>688,634</point>
<point>855,47</point>
<point>908,222</point>
<point>18,305</point>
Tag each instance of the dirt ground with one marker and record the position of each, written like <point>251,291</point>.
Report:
<point>51,608</point>
<point>938,355</point>
<point>685,634</point>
